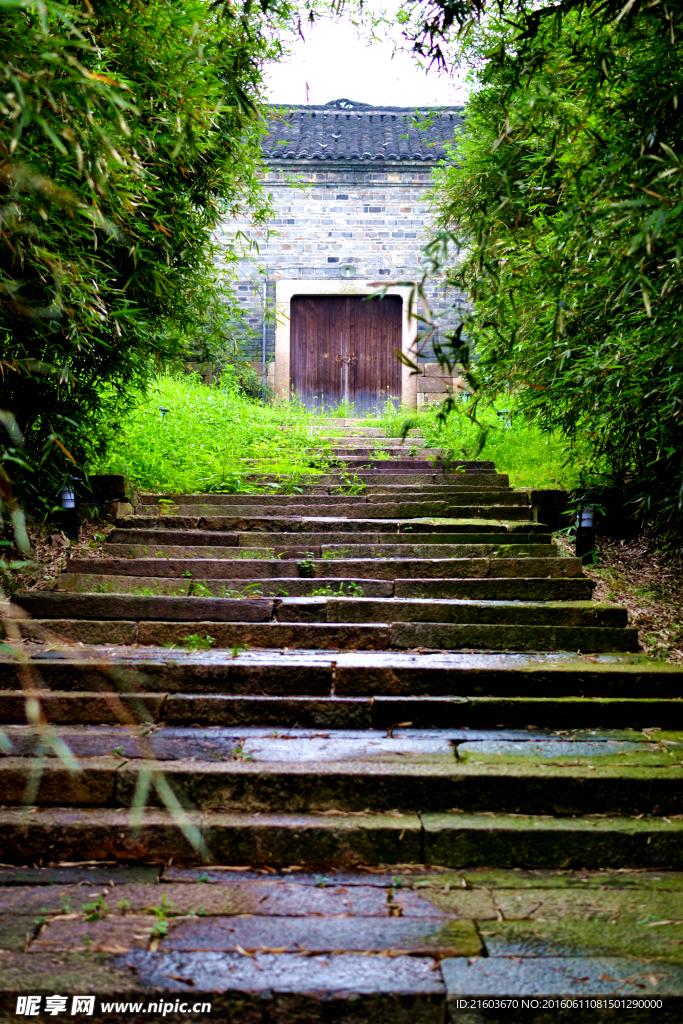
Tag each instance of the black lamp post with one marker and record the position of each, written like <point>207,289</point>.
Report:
<point>69,515</point>
<point>585,534</point>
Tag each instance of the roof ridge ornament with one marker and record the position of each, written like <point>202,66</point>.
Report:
<point>346,104</point>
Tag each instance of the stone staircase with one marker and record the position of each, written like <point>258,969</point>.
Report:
<point>362,752</point>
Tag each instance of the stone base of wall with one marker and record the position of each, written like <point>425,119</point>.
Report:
<point>205,370</point>
<point>433,386</point>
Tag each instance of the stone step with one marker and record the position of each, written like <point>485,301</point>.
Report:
<point>325,636</point>
<point>489,588</point>
<point>206,503</point>
<point>335,550</point>
<point>369,674</point>
<point>53,604</point>
<point>406,464</point>
<point>411,477</point>
<point>301,519</point>
<point>332,568</point>
<point>223,518</point>
<point>623,715</point>
<point>501,520</point>
<point>229,772</point>
<point>519,537</point>
<point>499,840</point>
<point>422,533</point>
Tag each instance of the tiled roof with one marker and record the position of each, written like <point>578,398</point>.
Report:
<point>344,131</point>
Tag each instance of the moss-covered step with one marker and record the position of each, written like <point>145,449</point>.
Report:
<point>505,840</point>
<point>593,987</point>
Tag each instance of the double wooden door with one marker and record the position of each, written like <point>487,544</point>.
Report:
<point>344,349</point>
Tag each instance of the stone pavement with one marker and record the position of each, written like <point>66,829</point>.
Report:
<point>363,753</point>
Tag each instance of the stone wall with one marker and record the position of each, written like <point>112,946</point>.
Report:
<point>372,218</point>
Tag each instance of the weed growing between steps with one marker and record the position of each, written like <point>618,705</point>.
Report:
<point>213,439</point>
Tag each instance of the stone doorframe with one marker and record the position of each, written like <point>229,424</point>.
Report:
<point>284,292</point>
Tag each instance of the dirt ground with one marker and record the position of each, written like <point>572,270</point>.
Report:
<point>643,578</point>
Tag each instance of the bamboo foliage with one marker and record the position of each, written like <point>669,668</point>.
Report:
<point>126,133</point>
<point>565,205</point>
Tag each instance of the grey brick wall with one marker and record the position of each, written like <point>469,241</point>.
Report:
<point>374,218</point>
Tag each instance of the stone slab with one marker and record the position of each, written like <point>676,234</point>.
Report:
<point>552,842</point>
<point>372,636</point>
<point>93,785</point>
<point>344,989</point>
<point>51,604</point>
<point>232,838</point>
<point>546,977</point>
<point>168,536</point>
<point>110,935</point>
<point>16,932</point>
<point>424,781</point>
<point>495,588</point>
<point>430,610</point>
<point>359,568</point>
<point>83,708</point>
<point>513,638</point>
<point>280,712</point>
<point>88,874</point>
<point>79,631</point>
<point>103,583</point>
<point>438,936</point>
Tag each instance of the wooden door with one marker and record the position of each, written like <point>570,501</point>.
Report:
<point>343,348</point>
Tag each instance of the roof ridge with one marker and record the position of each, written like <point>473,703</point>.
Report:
<point>334,133</point>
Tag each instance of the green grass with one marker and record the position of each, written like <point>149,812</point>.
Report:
<point>213,439</point>
<point>531,457</point>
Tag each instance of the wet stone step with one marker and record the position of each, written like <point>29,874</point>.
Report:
<point>368,674</point>
<point>284,713</point>
<point>216,743</point>
<point>495,839</point>
<point>278,778</point>
<point>341,636</point>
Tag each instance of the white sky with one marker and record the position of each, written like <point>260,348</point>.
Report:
<point>334,62</point>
